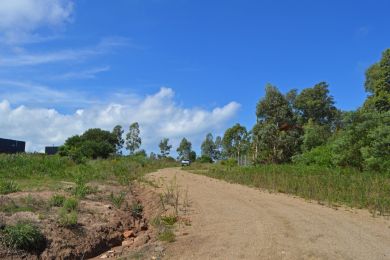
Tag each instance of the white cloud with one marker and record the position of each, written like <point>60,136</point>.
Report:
<point>159,116</point>
<point>20,19</point>
<point>23,58</point>
<point>84,74</point>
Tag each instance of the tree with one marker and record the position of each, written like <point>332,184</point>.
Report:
<point>192,156</point>
<point>93,143</point>
<point>133,139</point>
<point>314,135</point>
<point>316,104</point>
<point>165,147</point>
<point>378,84</point>
<point>208,148</point>
<point>118,133</point>
<point>274,145</point>
<point>218,153</point>
<point>274,107</point>
<point>235,141</point>
<point>184,149</point>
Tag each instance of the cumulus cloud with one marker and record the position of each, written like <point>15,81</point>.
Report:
<point>21,18</point>
<point>158,115</point>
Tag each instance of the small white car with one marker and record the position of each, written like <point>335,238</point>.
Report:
<point>185,162</point>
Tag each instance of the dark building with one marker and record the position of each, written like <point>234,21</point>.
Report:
<point>11,146</point>
<point>51,150</point>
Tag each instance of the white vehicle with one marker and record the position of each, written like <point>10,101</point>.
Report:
<point>185,162</point>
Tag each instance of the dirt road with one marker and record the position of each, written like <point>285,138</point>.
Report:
<point>231,221</point>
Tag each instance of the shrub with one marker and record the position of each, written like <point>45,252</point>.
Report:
<point>7,187</point>
<point>57,200</point>
<point>24,236</point>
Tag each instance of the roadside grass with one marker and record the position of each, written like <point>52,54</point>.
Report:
<point>333,186</point>
<point>29,172</point>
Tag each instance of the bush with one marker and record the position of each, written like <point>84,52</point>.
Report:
<point>7,187</point>
<point>24,236</point>
<point>205,159</point>
<point>321,155</point>
<point>57,200</point>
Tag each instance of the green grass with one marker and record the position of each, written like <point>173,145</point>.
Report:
<point>167,235</point>
<point>57,200</point>
<point>8,186</point>
<point>169,220</point>
<point>37,171</point>
<point>117,200</point>
<point>70,204</point>
<point>23,236</point>
<point>330,185</point>
<point>67,218</point>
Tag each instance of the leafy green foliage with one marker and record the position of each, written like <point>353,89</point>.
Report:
<point>378,84</point>
<point>165,147</point>
<point>133,139</point>
<point>118,133</point>
<point>235,141</point>
<point>317,105</point>
<point>314,135</point>
<point>94,143</point>
<point>184,149</point>
<point>23,236</point>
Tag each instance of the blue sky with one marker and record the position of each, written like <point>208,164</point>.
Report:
<point>95,63</point>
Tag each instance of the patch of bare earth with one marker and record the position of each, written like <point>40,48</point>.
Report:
<point>230,221</point>
<point>102,231</point>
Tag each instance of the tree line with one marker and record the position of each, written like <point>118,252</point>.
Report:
<point>300,127</point>
<point>306,127</point>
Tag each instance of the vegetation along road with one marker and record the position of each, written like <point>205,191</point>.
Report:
<point>231,221</point>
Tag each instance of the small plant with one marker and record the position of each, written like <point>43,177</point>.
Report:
<point>67,218</point>
<point>167,235</point>
<point>169,220</point>
<point>57,200</point>
<point>70,204</point>
<point>117,200</point>
<point>23,236</point>
<point>7,187</point>
<point>137,209</point>
<point>81,190</point>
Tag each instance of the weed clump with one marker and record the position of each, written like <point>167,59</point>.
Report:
<point>57,200</point>
<point>23,236</point>
<point>137,209</point>
<point>117,200</point>
<point>70,204</point>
